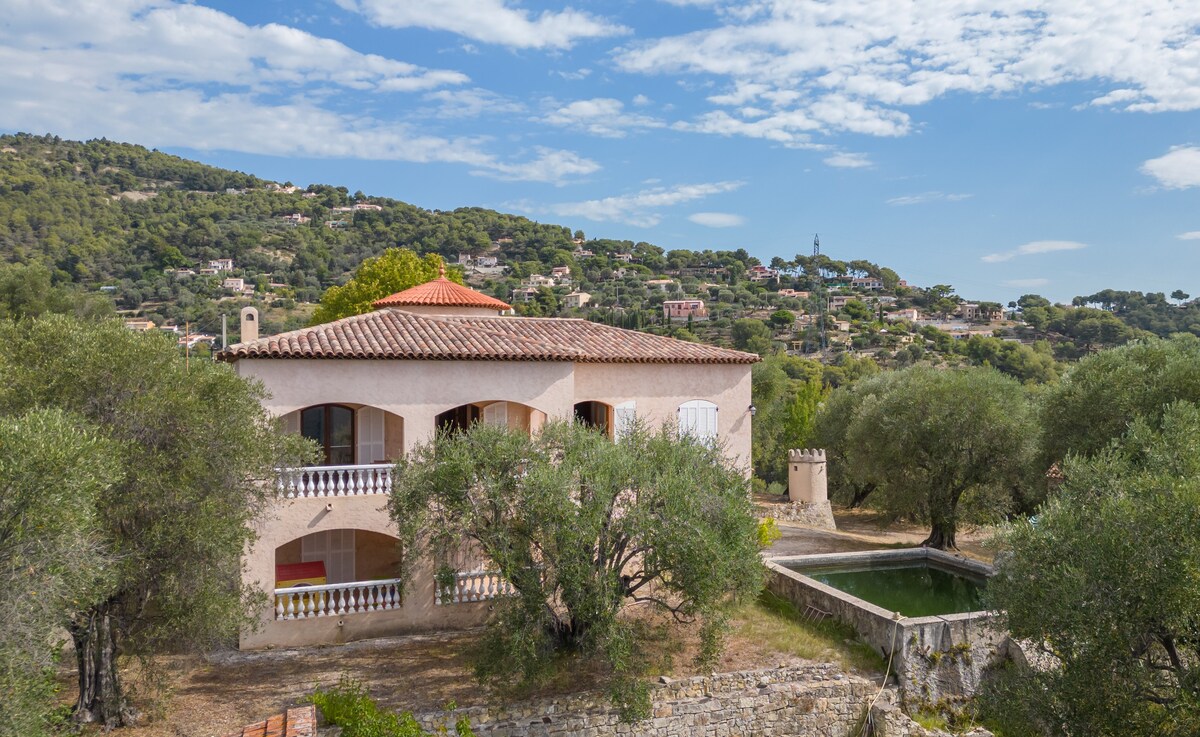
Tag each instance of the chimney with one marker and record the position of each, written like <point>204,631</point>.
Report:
<point>249,324</point>
<point>807,481</point>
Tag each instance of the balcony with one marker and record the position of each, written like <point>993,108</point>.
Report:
<point>329,481</point>
<point>472,586</point>
<point>337,599</point>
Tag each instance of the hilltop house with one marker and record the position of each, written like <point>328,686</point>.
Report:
<point>439,356</point>
<point>682,309</point>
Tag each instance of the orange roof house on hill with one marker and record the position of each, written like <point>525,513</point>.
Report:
<point>437,358</point>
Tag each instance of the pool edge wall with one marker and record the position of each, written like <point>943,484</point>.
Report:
<point>937,658</point>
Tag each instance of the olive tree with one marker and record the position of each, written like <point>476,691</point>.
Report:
<point>1105,586</point>
<point>584,528</point>
<point>1098,398</point>
<point>194,452</point>
<point>933,444</point>
<point>53,469</point>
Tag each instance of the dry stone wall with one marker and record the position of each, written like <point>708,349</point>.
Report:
<point>815,700</point>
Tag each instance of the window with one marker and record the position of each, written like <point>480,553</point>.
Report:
<point>624,417</point>
<point>698,418</point>
<point>330,426</point>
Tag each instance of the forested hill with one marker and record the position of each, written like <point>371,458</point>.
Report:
<point>96,226</point>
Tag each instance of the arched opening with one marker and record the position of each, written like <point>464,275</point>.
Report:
<point>596,415</point>
<point>513,415</point>
<point>335,572</point>
<point>350,434</point>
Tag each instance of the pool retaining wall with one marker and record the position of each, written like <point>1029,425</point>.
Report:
<point>938,659</point>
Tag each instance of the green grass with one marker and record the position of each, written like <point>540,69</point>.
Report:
<point>776,623</point>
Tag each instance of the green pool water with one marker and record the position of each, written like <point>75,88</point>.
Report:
<point>915,589</point>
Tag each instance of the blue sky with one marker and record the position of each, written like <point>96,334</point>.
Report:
<point>1048,146</point>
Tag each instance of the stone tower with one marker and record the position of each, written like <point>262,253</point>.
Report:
<point>807,480</point>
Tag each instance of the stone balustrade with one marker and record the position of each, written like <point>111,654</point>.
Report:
<point>327,481</point>
<point>336,599</point>
<point>474,586</point>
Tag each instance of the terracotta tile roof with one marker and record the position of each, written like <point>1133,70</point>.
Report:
<point>442,292</point>
<point>395,334</point>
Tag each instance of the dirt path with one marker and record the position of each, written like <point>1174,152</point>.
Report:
<point>866,530</point>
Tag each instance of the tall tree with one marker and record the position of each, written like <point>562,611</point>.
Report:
<point>53,470</point>
<point>938,445</point>
<point>583,527</point>
<point>1099,397</point>
<point>194,450</point>
<point>1105,587</point>
<point>395,270</point>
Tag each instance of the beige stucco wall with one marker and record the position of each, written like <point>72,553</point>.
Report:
<point>438,310</point>
<point>289,520</point>
<point>418,391</point>
<point>415,390</point>
<point>659,389</point>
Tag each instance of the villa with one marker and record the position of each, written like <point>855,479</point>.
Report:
<point>440,356</point>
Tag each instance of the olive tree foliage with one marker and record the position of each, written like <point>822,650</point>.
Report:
<point>194,454</point>
<point>941,446</point>
<point>53,470</point>
<point>583,528</point>
<point>786,392</point>
<point>1106,587</point>
<point>1099,397</point>
<point>394,270</point>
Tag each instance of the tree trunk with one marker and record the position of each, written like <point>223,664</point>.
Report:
<point>860,495</point>
<point>100,696</point>
<point>941,537</point>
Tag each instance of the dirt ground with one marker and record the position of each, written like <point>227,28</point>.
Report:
<point>217,694</point>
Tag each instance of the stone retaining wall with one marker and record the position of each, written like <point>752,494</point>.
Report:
<point>807,514</point>
<point>816,700</point>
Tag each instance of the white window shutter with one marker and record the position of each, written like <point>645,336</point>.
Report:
<point>624,417</point>
<point>370,435</point>
<point>698,418</point>
<point>496,413</point>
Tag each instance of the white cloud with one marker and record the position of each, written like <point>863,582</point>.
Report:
<point>169,74</point>
<point>1179,168</point>
<point>487,21</point>
<point>575,75</point>
<point>925,197</point>
<point>1191,235</point>
<point>717,219</point>
<point>1026,283</point>
<point>1034,247</point>
<point>641,100</point>
<point>601,116</point>
<point>471,103</point>
<point>862,65</point>
<point>848,161</point>
<point>641,208</point>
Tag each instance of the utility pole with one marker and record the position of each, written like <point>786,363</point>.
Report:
<point>819,291</point>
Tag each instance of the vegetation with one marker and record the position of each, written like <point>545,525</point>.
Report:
<point>395,270</point>
<point>187,450</point>
<point>54,469</point>
<point>584,528</point>
<point>932,445</point>
<point>1106,586</point>
<point>349,706</point>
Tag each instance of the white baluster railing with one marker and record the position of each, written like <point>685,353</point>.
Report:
<point>336,599</point>
<point>475,586</point>
<point>324,481</point>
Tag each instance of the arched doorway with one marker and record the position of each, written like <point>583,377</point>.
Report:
<point>513,415</point>
<point>596,415</point>
<point>336,572</point>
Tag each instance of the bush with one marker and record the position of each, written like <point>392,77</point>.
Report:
<point>348,706</point>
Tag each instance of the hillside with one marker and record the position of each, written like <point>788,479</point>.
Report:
<point>175,242</point>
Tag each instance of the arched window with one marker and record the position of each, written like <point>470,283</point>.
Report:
<point>698,418</point>
<point>331,426</point>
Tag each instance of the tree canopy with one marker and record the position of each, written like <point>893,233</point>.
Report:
<point>935,445</point>
<point>583,527</point>
<point>395,270</point>
<point>191,448</point>
<point>1105,588</point>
